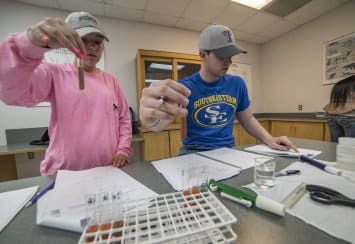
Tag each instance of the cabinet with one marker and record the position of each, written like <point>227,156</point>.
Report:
<point>159,145</point>
<point>158,65</point>
<point>155,145</point>
<point>241,137</point>
<point>8,167</point>
<point>299,129</point>
<point>326,132</point>
<point>175,142</point>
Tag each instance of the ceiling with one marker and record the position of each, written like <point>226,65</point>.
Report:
<point>256,26</point>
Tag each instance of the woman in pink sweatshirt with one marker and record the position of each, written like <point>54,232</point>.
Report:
<point>88,127</point>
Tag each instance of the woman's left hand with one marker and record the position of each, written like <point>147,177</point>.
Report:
<point>119,160</point>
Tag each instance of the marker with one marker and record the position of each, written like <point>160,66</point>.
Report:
<point>287,154</point>
<point>288,172</point>
<point>35,198</point>
<point>330,169</point>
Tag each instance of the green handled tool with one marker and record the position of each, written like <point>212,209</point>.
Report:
<point>247,199</point>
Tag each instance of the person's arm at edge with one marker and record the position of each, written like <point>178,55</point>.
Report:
<point>255,129</point>
<point>24,79</point>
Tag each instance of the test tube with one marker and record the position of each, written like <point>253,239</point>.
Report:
<point>185,182</point>
<point>80,65</point>
<point>203,179</point>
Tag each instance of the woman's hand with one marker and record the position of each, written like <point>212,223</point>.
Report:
<point>55,33</point>
<point>119,160</point>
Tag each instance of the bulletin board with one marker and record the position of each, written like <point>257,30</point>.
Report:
<point>339,58</point>
<point>244,71</point>
<point>63,55</point>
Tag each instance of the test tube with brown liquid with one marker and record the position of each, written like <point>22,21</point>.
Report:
<point>80,65</point>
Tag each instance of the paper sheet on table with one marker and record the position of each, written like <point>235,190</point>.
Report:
<point>278,193</point>
<point>265,150</point>
<point>66,206</point>
<point>234,157</point>
<point>172,169</point>
<point>336,220</point>
<point>12,202</point>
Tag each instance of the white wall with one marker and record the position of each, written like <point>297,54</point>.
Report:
<point>126,37</point>
<point>292,64</point>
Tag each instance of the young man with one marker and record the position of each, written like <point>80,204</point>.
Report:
<point>212,99</point>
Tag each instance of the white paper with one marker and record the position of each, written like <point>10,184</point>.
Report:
<point>263,149</point>
<point>172,168</point>
<point>66,205</point>
<point>336,220</point>
<point>243,160</point>
<point>12,202</point>
<point>278,193</point>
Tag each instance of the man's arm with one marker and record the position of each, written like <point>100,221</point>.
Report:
<point>254,128</point>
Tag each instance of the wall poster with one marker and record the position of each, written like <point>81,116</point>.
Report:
<point>244,71</point>
<point>339,58</point>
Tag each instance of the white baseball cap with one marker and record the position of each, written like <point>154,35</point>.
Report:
<point>220,40</point>
<point>84,23</point>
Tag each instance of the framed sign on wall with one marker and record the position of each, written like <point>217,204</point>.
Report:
<point>339,58</point>
<point>244,71</point>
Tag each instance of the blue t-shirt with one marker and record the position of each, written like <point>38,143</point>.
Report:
<point>212,108</point>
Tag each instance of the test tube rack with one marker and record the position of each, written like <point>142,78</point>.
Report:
<point>193,216</point>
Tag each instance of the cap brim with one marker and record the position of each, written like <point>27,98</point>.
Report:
<point>87,30</point>
<point>228,51</point>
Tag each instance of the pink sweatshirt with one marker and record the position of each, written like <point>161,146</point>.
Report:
<point>87,127</point>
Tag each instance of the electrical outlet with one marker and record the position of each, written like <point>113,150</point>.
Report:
<point>300,107</point>
<point>31,155</point>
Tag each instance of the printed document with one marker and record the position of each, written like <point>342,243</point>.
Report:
<point>234,157</point>
<point>265,150</point>
<point>12,202</point>
<point>188,170</point>
<point>71,202</point>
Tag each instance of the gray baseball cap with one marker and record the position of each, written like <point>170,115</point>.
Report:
<point>84,23</point>
<point>220,40</point>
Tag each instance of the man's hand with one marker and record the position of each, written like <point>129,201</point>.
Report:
<point>281,143</point>
<point>163,100</point>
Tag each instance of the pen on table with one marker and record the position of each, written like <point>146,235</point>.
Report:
<point>288,172</point>
<point>35,198</point>
<point>320,165</point>
<point>289,154</point>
